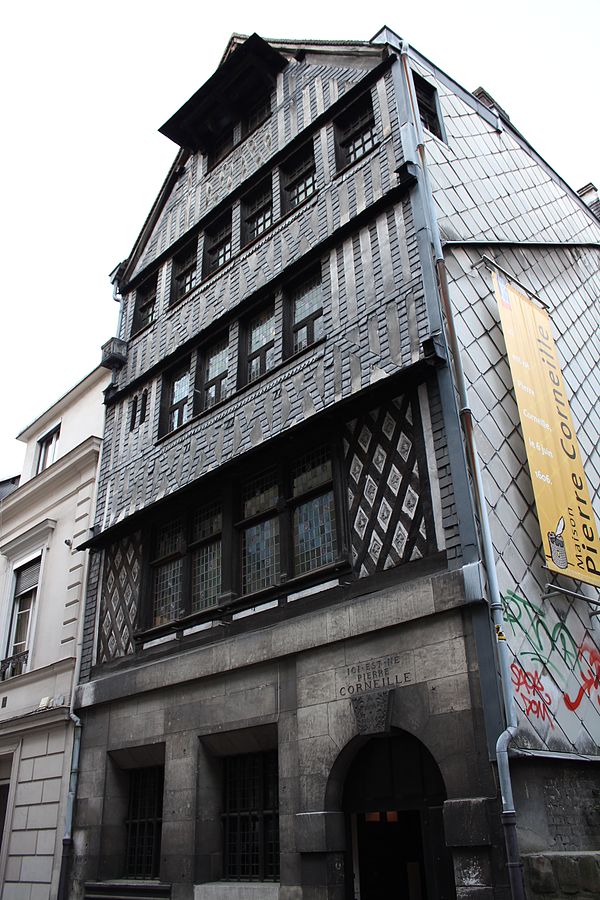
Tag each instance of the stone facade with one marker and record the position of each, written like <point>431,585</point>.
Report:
<point>287,576</point>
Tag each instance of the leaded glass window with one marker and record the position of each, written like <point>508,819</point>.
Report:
<point>217,244</point>
<point>206,557</point>
<point>299,178</point>
<point>257,212</point>
<point>355,131</point>
<point>261,344</point>
<point>183,278</point>
<point>215,373</point>
<point>145,304</point>
<point>260,540</point>
<point>307,314</point>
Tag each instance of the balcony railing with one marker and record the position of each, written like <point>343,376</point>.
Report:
<point>13,665</point>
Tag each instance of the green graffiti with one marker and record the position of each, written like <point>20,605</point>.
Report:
<point>523,616</point>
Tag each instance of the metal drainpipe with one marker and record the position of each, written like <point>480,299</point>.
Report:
<point>509,818</point>
<point>67,850</point>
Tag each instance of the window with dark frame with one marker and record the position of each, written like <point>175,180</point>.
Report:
<point>260,344</point>
<point>257,212</point>
<point>428,106</point>
<point>251,817</point>
<point>186,568</point>
<point>259,531</point>
<point>25,593</point>
<point>355,132</point>
<point>145,304</point>
<point>257,113</point>
<point>298,178</point>
<point>215,362</point>
<point>144,822</point>
<point>185,270</point>
<point>46,450</point>
<point>305,313</point>
<point>217,244</point>
<point>174,400</point>
<point>137,409</point>
<point>222,145</point>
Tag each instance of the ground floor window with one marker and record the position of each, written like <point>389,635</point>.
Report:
<point>144,822</point>
<point>251,817</point>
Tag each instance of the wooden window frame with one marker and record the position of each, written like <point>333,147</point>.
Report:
<point>291,327</point>
<point>355,132</point>
<point>428,104</point>
<point>169,405</point>
<point>247,356</point>
<point>257,113</point>
<point>219,381</point>
<point>257,212</point>
<point>218,244</point>
<point>184,268</point>
<point>298,178</point>
<point>144,312</point>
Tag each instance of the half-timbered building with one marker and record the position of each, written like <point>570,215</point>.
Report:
<point>289,682</point>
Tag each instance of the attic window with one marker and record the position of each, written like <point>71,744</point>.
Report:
<point>256,114</point>
<point>222,145</point>
<point>429,109</point>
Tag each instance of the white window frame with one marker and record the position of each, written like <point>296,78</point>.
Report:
<point>46,449</point>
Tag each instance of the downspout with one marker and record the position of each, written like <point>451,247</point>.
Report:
<point>67,850</point>
<point>515,868</point>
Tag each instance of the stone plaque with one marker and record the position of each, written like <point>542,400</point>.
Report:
<point>390,671</point>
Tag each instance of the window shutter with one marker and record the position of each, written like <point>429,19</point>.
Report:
<point>28,577</point>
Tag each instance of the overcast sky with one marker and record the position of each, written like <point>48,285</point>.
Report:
<point>85,86</point>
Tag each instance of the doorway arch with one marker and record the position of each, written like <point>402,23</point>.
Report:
<point>392,799</point>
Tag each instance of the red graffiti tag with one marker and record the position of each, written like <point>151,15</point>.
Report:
<point>589,657</point>
<point>530,688</point>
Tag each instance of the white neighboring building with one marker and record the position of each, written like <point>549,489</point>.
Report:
<point>42,578</point>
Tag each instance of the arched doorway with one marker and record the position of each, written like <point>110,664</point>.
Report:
<point>393,796</point>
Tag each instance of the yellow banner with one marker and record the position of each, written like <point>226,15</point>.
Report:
<point>567,522</point>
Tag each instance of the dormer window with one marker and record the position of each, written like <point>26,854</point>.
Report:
<point>46,452</point>
<point>428,104</point>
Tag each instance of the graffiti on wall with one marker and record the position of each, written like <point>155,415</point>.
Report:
<point>555,674</point>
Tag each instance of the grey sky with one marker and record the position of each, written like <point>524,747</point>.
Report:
<point>86,86</point>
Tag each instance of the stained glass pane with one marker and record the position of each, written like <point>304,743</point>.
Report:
<point>314,534</point>
<point>260,555</point>
<point>311,470</point>
<point>167,597</point>
<point>260,494</point>
<point>206,576</point>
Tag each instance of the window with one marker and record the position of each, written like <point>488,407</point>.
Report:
<point>144,822</point>
<point>145,304</point>
<point>260,349</point>
<point>305,309</point>
<point>46,451</point>
<point>174,400</point>
<point>256,115</point>
<point>298,179</point>
<point>137,410</point>
<point>355,132</point>
<point>257,212</point>
<point>183,277</point>
<point>222,145</point>
<point>186,569</point>
<point>217,244</point>
<point>17,652</point>
<point>259,531</point>
<point>251,817</point>
<point>214,373</point>
<point>428,106</point>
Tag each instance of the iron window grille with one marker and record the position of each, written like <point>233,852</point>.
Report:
<point>355,132</point>
<point>25,593</point>
<point>428,106</point>
<point>184,274</point>
<point>251,817</point>
<point>260,344</point>
<point>145,304</point>
<point>257,212</point>
<point>217,245</point>
<point>144,822</point>
<point>299,179</point>
<point>175,400</point>
<point>46,451</point>
<point>214,373</point>
<point>305,312</point>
